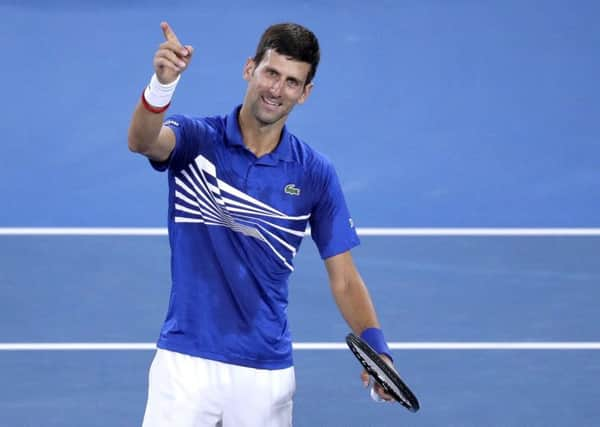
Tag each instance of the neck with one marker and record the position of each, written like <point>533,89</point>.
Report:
<point>258,137</point>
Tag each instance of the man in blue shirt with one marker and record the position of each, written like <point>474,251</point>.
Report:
<point>242,190</point>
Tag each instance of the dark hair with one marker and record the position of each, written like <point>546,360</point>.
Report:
<point>292,40</point>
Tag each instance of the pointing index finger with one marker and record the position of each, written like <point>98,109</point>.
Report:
<point>169,33</point>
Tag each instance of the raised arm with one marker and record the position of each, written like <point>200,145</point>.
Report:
<point>147,135</point>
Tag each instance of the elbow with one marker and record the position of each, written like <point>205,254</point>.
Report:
<point>134,144</point>
<point>339,287</point>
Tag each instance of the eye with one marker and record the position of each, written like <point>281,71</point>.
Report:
<point>293,84</point>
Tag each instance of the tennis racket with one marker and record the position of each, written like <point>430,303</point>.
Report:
<point>385,376</point>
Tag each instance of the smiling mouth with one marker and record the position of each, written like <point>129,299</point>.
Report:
<point>270,103</point>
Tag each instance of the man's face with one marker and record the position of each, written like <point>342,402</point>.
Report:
<point>275,86</point>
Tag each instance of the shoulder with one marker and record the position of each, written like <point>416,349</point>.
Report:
<point>193,135</point>
<point>191,125</point>
<point>314,163</point>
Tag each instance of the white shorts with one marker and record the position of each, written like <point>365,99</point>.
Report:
<point>187,391</point>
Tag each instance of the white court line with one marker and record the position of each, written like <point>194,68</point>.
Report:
<point>479,231</point>
<point>366,231</point>
<point>319,346</point>
<point>82,231</point>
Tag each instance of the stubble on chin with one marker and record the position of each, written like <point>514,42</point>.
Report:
<point>263,118</point>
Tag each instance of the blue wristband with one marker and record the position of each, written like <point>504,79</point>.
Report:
<point>374,337</point>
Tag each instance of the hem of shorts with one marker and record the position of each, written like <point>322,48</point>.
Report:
<point>230,359</point>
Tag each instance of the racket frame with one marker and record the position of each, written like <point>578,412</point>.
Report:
<point>406,398</point>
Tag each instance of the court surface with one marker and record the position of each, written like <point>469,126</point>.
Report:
<point>436,114</point>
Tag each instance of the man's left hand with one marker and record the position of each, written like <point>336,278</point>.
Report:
<point>364,376</point>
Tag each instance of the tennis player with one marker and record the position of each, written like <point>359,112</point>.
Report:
<point>242,190</point>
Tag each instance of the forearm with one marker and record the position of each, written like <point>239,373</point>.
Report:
<point>144,129</point>
<point>354,301</point>
<point>355,304</point>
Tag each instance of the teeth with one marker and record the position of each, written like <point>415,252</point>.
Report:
<point>273,103</point>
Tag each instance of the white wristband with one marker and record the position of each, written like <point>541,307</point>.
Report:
<point>159,95</point>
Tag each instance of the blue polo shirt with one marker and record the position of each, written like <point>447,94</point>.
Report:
<point>235,224</point>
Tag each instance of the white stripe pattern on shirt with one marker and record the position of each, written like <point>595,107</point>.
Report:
<point>201,197</point>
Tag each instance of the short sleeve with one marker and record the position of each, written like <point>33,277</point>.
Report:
<point>332,227</point>
<point>189,133</point>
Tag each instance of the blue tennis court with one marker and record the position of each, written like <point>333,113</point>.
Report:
<point>436,115</point>
<point>428,289</point>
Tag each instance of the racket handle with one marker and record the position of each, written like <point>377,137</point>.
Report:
<point>374,396</point>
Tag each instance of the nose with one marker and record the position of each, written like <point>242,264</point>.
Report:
<point>276,86</point>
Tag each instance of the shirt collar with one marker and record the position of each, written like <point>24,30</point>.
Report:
<point>283,151</point>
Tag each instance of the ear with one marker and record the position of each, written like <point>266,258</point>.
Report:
<point>248,69</point>
<point>305,94</point>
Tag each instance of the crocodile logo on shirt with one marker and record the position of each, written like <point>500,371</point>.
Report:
<point>292,190</point>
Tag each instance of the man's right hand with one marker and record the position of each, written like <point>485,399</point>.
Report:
<point>171,58</point>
